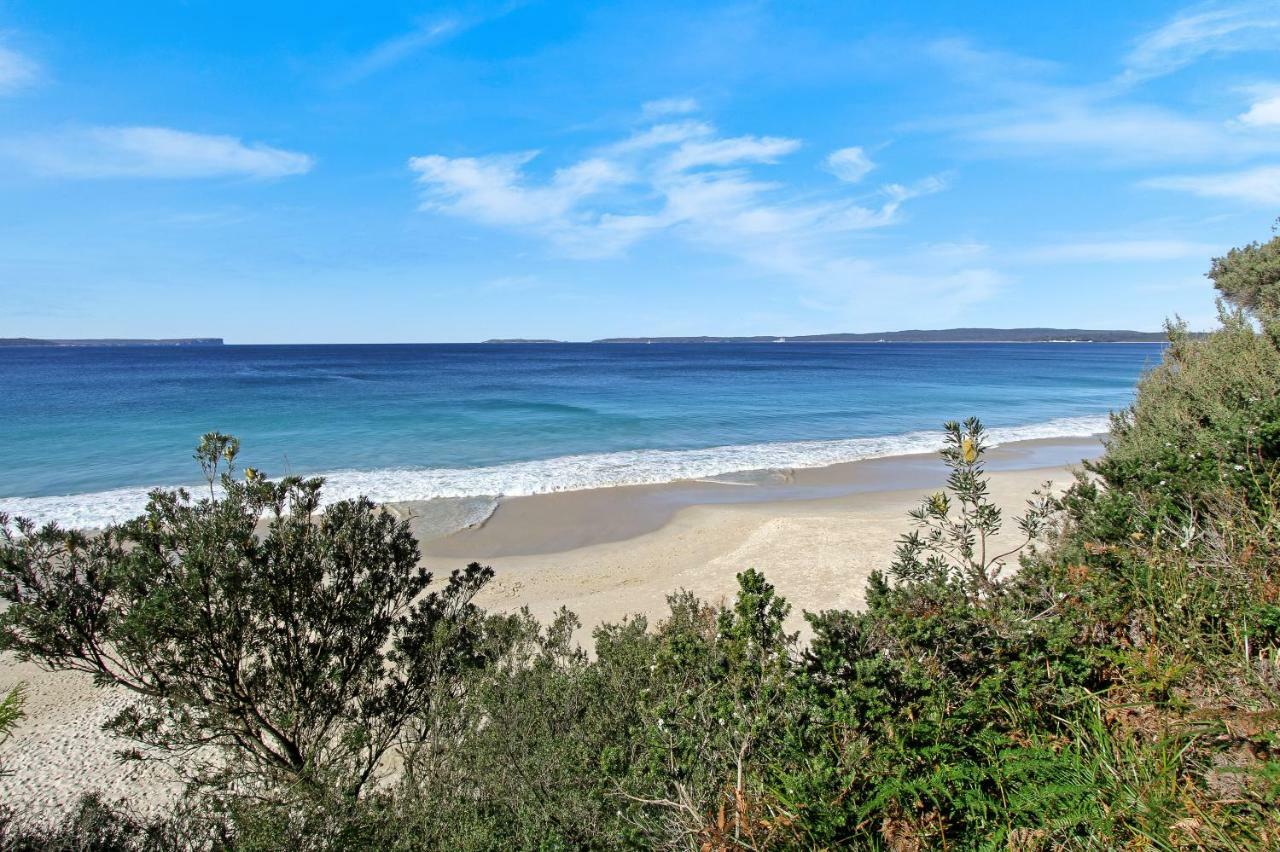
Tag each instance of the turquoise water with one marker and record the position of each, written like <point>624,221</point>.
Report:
<point>87,430</point>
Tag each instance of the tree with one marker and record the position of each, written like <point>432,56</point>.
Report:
<point>1249,277</point>
<point>301,645</point>
<point>954,529</point>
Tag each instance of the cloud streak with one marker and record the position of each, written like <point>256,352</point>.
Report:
<point>1257,186</point>
<point>395,50</point>
<point>1117,251</point>
<point>426,34</point>
<point>151,152</point>
<point>1202,30</point>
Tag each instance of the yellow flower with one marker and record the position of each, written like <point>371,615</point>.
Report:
<point>968,450</point>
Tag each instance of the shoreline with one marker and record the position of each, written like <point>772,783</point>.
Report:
<point>539,524</point>
<point>817,535</point>
<point>606,555</point>
<point>457,498</point>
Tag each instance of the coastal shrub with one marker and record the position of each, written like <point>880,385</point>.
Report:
<point>1207,419</point>
<point>955,526</point>
<point>300,648</point>
<point>93,825</point>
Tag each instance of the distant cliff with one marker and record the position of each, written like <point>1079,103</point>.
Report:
<point>112,341</point>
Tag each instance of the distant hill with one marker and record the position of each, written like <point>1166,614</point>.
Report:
<point>522,340</point>
<point>112,341</point>
<point>944,335</point>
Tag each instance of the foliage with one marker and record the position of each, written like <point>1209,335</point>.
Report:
<point>11,713</point>
<point>1249,277</point>
<point>303,648</point>
<point>957,526</point>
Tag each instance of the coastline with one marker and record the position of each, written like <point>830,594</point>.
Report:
<point>451,499</point>
<point>817,534</point>
<point>605,554</point>
<point>540,524</point>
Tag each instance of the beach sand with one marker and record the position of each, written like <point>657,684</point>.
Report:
<point>605,554</point>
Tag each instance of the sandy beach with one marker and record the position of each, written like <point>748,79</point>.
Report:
<point>816,534</point>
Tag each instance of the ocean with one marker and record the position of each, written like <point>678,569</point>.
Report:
<point>86,431</point>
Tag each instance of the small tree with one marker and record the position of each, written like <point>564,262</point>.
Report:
<point>954,526</point>
<point>1249,277</point>
<point>300,645</point>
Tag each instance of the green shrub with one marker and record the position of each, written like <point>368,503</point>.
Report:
<point>303,648</point>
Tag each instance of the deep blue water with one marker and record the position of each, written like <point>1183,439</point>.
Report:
<point>81,420</point>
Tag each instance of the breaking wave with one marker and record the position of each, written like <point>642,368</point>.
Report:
<point>566,473</point>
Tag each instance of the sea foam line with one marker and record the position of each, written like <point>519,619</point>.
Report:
<point>565,473</point>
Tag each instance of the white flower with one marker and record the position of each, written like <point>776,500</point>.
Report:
<point>1239,467</point>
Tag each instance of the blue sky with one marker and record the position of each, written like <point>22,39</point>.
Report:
<point>441,172</point>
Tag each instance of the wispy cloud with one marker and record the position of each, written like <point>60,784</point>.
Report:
<point>151,152</point>
<point>850,164</point>
<point>17,70</point>
<point>1202,30</point>
<point>669,106</point>
<point>1260,185</point>
<point>1116,251</point>
<point>684,179</point>
<point>686,182</point>
<point>1035,117</point>
<point>399,48</point>
<point>424,34</point>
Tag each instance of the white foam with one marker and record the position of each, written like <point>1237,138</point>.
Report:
<point>566,473</point>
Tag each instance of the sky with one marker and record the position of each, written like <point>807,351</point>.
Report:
<point>419,172</point>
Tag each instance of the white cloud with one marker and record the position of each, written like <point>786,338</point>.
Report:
<point>688,183</point>
<point>850,164</point>
<point>728,152</point>
<point>1203,30</point>
<point>669,106</point>
<point>16,70</point>
<point>1260,185</point>
<point>493,191</point>
<point>1263,113</point>
<point>680,178</point>
<point>152,152</point>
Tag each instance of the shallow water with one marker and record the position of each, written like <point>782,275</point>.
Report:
<point>87,430</point>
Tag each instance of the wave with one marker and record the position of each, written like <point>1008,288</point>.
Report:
<point>565,473</point>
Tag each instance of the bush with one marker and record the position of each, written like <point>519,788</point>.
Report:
<point>302,648</point>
